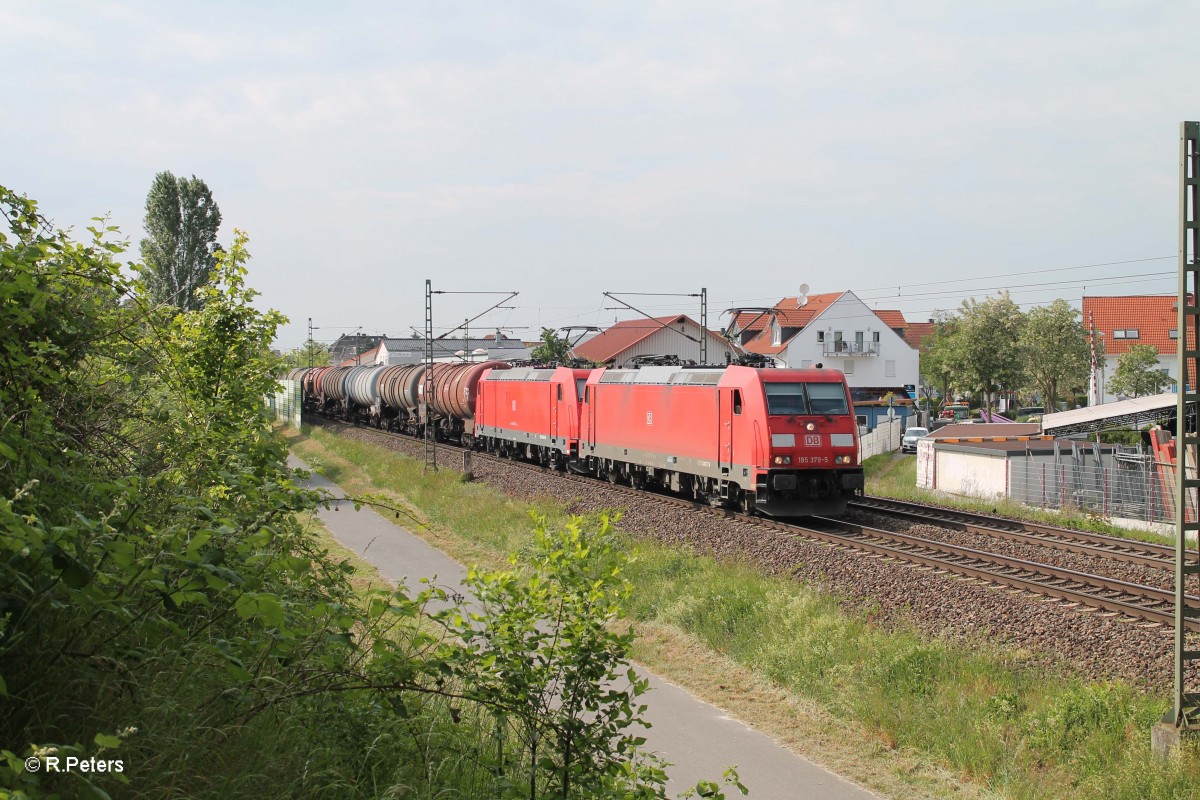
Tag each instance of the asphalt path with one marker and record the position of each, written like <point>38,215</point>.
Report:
<point>698,739</point>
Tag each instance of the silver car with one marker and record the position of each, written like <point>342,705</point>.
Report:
<point>909,443</point>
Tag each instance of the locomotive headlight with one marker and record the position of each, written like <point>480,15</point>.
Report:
<point>783,459</point>
<point>812,426</point>
<point>842,459</point>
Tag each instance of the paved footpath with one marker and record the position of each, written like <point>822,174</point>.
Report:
<point>697,738</point>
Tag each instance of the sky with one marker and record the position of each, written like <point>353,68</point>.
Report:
<point>916,153</point>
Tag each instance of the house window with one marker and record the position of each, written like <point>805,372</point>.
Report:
<point>1174,333</point>
<point>875,337</point>
<point>776,333</point>
<point>848,367</point>
<point>820,336</point>
<point>1128,333</point>
<point>889,369</point>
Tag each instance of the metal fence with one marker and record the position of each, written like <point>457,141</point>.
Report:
<point>1128,485</point>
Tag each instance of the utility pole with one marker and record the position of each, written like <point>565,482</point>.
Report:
<point>1184,716</point>
<point>703,326</point>
<point>426,414</point>
<point>310,352</point>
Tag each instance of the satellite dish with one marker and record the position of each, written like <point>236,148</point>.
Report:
<point>802,298</point>
<point>804,288</point>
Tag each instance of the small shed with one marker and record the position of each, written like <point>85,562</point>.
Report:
<point>950,458</point>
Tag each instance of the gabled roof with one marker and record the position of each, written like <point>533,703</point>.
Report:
<point>917,332</point>
<point>1153,316</point>
<point>787,312</point>
<point>625,334</point>
<point>791,317</point>
<point>893,319</point>
<point>365,357</point>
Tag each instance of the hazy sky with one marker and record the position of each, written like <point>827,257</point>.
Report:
<point>567,149</point>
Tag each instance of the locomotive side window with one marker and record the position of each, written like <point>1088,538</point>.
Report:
<point>580,383</point>
<point>737,401</point>
<point>827,398</point>
<point>560,392</point>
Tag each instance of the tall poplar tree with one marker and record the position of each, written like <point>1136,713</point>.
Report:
<point>181,222</point>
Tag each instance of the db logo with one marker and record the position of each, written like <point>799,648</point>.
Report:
<point>812,440</point>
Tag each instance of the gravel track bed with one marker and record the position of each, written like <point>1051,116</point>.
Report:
<point>1080,562</point>
<point>1092,643</point>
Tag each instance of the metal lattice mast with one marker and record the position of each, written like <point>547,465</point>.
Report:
<point>426,411</point>
<point>1184,713</point>
<point>310,345</point>
<point>703,326</point>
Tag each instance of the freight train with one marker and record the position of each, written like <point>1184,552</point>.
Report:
<point>779,442</point>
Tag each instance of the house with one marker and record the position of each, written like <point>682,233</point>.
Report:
<point>1123,321</point>
<point>489,348</point>
<point>676,336</point>
<point>348,346</point>
<point>840,331</point>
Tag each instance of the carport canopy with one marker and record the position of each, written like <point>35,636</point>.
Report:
<point>1137,411</point>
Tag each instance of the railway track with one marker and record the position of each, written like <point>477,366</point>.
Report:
<point>1130,601</point>
<point>1148,554</point>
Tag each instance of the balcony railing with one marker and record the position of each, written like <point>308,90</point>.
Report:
<point>844,349</point>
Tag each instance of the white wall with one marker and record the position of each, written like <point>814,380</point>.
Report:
<point>848,314</point>
<point>971,474</point>
<point>884,439</point>
<point>1166,361</point>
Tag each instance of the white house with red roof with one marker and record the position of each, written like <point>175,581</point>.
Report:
<point>837,330</point>
<point>677,335</point>
<point>1123,321</point>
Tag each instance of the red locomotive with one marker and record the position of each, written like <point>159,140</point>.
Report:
<point>781,442</point>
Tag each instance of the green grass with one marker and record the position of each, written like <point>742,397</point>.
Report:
<point>990,716</point>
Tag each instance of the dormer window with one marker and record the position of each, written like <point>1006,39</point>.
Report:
<point>776,333</point>
<point>1127,333</point>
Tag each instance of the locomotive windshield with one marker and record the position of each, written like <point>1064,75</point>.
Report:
<point>792,399</point>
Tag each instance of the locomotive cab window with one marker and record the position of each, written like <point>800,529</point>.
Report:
<point>737,401</point>
<point>580,384</point>
<point>560,392</point>
<point>785,399</point>
<point>827,398</point>
<point>790,399</point>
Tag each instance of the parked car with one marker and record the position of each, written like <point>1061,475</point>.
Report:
<point>909,443</point>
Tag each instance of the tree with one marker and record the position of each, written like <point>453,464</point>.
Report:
<point>983,354</point>
<point>553,349</point>
<point>935,352</point>
<point>309,354</point>
<point>1138,372</point>
<point>182,221</point>
<point>1055,350</point>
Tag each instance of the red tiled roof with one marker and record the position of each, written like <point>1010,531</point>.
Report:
<point>917,332</point>
<point>788,314</point>
<point>893,319</point>
<point>623,335</point>
<point>761,344</point>
<point>1152,316</point>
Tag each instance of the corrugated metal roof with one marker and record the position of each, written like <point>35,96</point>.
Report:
<point>1093,418</point>
<point>986,430</point>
